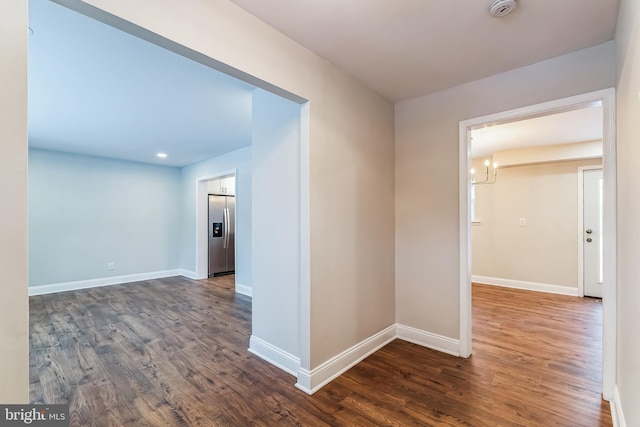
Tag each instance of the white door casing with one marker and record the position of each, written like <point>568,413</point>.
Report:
<point>607,99</point>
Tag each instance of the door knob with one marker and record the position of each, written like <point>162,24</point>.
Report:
<point>589,239</point>
<point>588,231</point>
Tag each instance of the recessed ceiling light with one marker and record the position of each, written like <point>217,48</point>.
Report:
<point>162,155</point>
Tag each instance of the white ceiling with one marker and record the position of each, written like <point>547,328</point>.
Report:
<point>407,48</point>
<point>96,90</point>
<point>569,127</point>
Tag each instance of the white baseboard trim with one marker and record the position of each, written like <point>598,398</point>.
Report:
<point>617,415</point>
<point>528,286</point>
<point>189,274</point>
<point>314,380</point>
<point>244,289</point>
<point>430,340</point>
<point>103,281</point>
<point>318,377</point>
<point>274,355</point>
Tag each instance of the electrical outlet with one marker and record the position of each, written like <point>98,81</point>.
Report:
<point>111,266</point>
<point>523,222</point>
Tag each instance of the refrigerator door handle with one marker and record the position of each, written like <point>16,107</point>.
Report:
<point>226,228</point>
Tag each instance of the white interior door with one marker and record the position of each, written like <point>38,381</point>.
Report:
<point>592,232</point>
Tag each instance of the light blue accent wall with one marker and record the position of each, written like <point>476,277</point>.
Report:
<point>276,221</point>
<point>241,161</point>
<point>85,212</point>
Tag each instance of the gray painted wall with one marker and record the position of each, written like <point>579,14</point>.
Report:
<point>427,160</point>
<point>628,136</point>
<point>14,302</point>
<point>87,211</point>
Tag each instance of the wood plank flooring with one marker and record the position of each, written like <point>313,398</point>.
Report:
<point>173,352</point>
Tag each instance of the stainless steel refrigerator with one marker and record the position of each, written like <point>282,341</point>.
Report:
<point>221,235</point>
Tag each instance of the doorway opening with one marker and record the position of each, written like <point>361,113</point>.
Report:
<point>221,226</point>
<point>222,239</point>
<point>522,220</point>
<point>606,99</point>
<point>283,316</point>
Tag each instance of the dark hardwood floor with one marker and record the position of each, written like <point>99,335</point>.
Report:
<point>174,352</point>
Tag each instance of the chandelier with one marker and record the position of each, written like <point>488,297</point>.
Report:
<point>486,177</point>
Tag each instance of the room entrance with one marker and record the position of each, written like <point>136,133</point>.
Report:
<point>606,99</point>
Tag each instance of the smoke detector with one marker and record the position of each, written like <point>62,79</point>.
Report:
<point>501,8</point>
